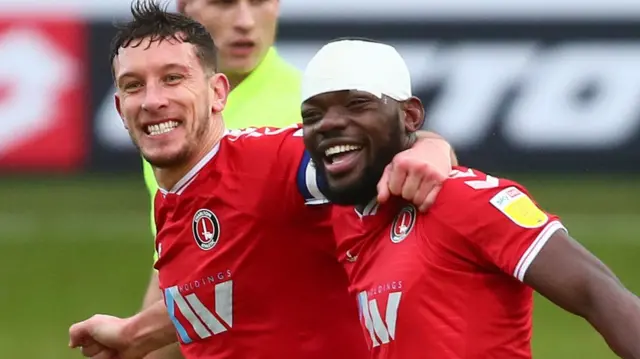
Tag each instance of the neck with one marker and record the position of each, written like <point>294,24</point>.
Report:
<point>410,140</point>
<point>236,79</point>
<point>168,177</point>
<point>406,143</point>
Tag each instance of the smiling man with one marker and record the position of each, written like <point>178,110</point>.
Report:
<point>455,282</point>
<point>265,89</point>
<point>246,254</point>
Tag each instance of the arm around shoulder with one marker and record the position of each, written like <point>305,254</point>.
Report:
<point>439,144</point>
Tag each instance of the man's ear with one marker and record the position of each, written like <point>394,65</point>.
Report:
<point>116,99</point>
<point>414,114</point>
<point>219,89</point>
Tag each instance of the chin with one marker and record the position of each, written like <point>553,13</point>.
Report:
<point>356,191</point>
<point>351,196</point>
<point>166,160</point>
<point>241,66</point>
<point>238,67</point>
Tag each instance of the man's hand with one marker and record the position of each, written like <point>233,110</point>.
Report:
<point>107,337</point>
<point>102,337</point>
<point>417,173</point>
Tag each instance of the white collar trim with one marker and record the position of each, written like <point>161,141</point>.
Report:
<point>185,181</point>
<point>369,210</point>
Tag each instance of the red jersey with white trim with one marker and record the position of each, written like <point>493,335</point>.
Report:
<point>447,283</point>
<point>247,263</point>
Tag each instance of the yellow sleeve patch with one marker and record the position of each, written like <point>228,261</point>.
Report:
<point>519,208</point>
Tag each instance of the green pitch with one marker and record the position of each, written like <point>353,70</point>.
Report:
<point>72,248</point>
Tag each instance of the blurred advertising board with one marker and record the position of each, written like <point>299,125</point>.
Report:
<point>43,94</point>
<point>515,86</point>
<point>365,9</point>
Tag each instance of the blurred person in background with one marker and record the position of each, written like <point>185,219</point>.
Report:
<point>265,89</point>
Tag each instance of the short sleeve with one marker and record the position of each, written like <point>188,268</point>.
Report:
<point>310,182</point>
<point>497,217</point>
<point>283,160</point>
<point>279,182</point>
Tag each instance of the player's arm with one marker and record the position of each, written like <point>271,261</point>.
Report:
<point>104,336</point>
<point>436,145</point>
<point>151,297</point>
<point>507,228</point>
<point>153,293</point>
<point>570,276</point>
<point>417,174</point>
<point>150,329</point>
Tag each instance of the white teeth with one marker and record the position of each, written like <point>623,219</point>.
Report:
<point>334,150</point>
<point>161,128</point>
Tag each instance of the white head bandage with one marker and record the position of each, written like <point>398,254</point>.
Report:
<point>357,65</point>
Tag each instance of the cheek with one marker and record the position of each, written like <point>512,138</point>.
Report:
<point>268,24</point>
<point>378,138</point>
<point>217,27</point>
<point>308,138</point>
<point>130,109</point>
<point>190,95</point>
<point>199,108</point>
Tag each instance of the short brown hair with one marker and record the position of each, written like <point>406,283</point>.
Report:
<point>150,20</point>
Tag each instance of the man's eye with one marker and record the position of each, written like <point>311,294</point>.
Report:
<point>221,2</point>
<point>132,86</point>
<point>358,102</point>
<point>311,117</point>
<point>173,78</point>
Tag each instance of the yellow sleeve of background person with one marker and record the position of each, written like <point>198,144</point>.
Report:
<point>269,96</point>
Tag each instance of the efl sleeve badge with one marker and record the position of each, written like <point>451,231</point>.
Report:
<point>519,208</point>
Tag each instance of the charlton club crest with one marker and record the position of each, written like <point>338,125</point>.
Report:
<point>206,229</point>
<point>403,223</point>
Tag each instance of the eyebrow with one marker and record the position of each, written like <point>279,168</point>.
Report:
<point>166,67</point>
<point>362,94</point>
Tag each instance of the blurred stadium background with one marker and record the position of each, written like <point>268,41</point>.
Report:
<point>547,92</point>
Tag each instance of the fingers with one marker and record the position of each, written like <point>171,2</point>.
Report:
<point>419,197</point>
<point>397,178</point>
<point>430,198</point>
<point>95,350</point>
<point>78,334</point>
<point>106,354</point>
<point>81,335</point>
<point>416,182</point>
<point>412,179</point>
<point>412,184</point>
<point>91,350</point>
<point>383,185</point>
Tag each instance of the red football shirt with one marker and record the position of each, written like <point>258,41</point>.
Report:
<point>448,283</point>
<point>247,268</point>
